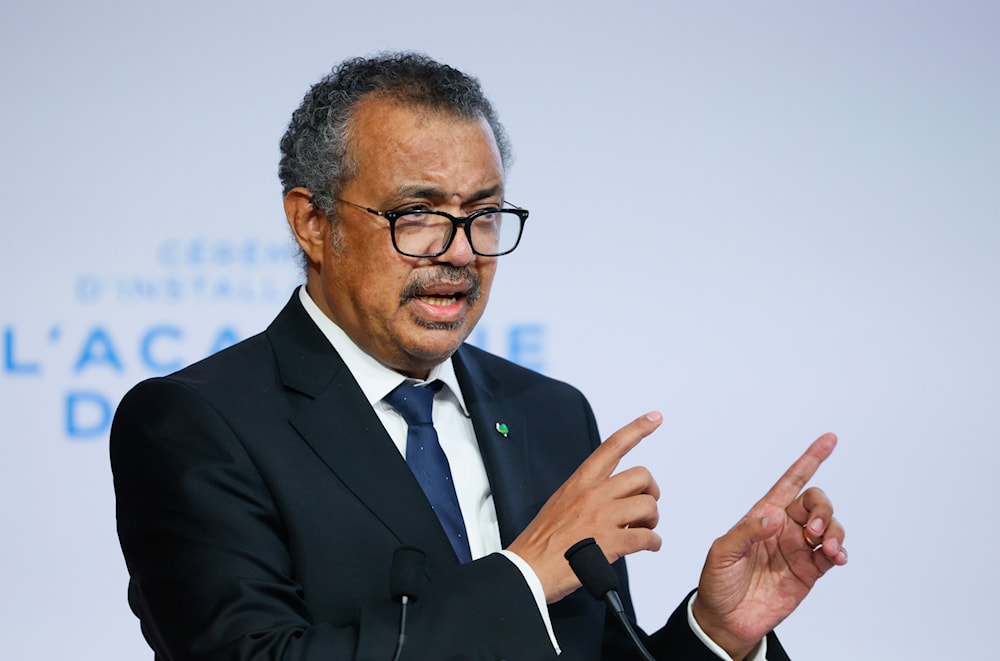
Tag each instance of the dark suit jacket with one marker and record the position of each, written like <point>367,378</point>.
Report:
<point>260,500</point>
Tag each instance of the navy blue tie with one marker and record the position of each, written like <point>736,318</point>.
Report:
<point>428,461</point>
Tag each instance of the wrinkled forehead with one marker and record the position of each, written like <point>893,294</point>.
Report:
<point>379,108</point>
<point>387,134</point>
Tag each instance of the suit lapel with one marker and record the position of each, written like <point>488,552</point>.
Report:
<point>344,432</point>
<point>504,456</point>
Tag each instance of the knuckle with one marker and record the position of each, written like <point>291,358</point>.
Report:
<point>642,472</point>
<point>816,494</point>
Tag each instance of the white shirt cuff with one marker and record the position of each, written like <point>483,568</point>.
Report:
<point>537,592</point>
<point>758,654</point>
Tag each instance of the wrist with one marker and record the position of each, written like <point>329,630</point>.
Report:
<point>715,629</point>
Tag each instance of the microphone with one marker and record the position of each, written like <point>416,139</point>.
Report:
<point>406,578</point>
<point>595,573</point>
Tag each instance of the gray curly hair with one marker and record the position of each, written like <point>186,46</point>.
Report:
<point>315,150</point>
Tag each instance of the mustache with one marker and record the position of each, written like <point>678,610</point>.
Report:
<point>423,280</point>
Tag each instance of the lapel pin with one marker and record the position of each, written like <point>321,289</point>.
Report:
<point>502,428</point>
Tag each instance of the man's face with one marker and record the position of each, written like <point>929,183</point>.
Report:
<point>409,313</point>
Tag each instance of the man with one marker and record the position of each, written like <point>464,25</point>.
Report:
<point>263,492</point>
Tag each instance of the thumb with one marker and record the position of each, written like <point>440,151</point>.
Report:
<point>759,524</point>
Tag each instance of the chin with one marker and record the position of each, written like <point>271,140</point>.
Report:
<point>431,342</point>
<point>442,343</point>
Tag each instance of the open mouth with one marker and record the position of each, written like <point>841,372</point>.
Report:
<point>443,287</point>
<point>441,300</point>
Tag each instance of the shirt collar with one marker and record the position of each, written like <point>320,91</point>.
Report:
<point>376,380</point>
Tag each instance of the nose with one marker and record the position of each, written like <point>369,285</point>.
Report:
<point>459,253</point>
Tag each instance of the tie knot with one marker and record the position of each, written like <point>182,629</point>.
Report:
<point>415,403</point>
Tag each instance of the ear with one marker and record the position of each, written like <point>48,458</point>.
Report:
<point>309,224</point>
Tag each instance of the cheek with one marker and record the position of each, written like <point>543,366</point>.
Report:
<point>378,286</point>
<point>371,268</point>
<point>486,274</point>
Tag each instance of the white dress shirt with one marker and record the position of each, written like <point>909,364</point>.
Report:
<point>458,440</point>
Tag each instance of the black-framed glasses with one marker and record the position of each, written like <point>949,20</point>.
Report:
<point>428,233</point>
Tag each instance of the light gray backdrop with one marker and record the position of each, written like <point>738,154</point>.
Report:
<point>768,220</point>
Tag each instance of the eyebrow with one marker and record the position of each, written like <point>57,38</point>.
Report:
<point>432,192</point>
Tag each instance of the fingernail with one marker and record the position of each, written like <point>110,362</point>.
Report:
<point>843,554</point>
<point>654,416</point>
<point>816,526</point>
<point>764,522</point>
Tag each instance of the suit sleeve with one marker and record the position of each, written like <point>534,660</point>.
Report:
<point>211,574</point>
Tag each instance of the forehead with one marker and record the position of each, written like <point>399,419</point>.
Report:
<point>396,145</point>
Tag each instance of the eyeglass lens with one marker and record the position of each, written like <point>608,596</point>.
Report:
<point>421,233</point>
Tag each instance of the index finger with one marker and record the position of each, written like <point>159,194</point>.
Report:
<point>604,459</point>
<point>789,485</point>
